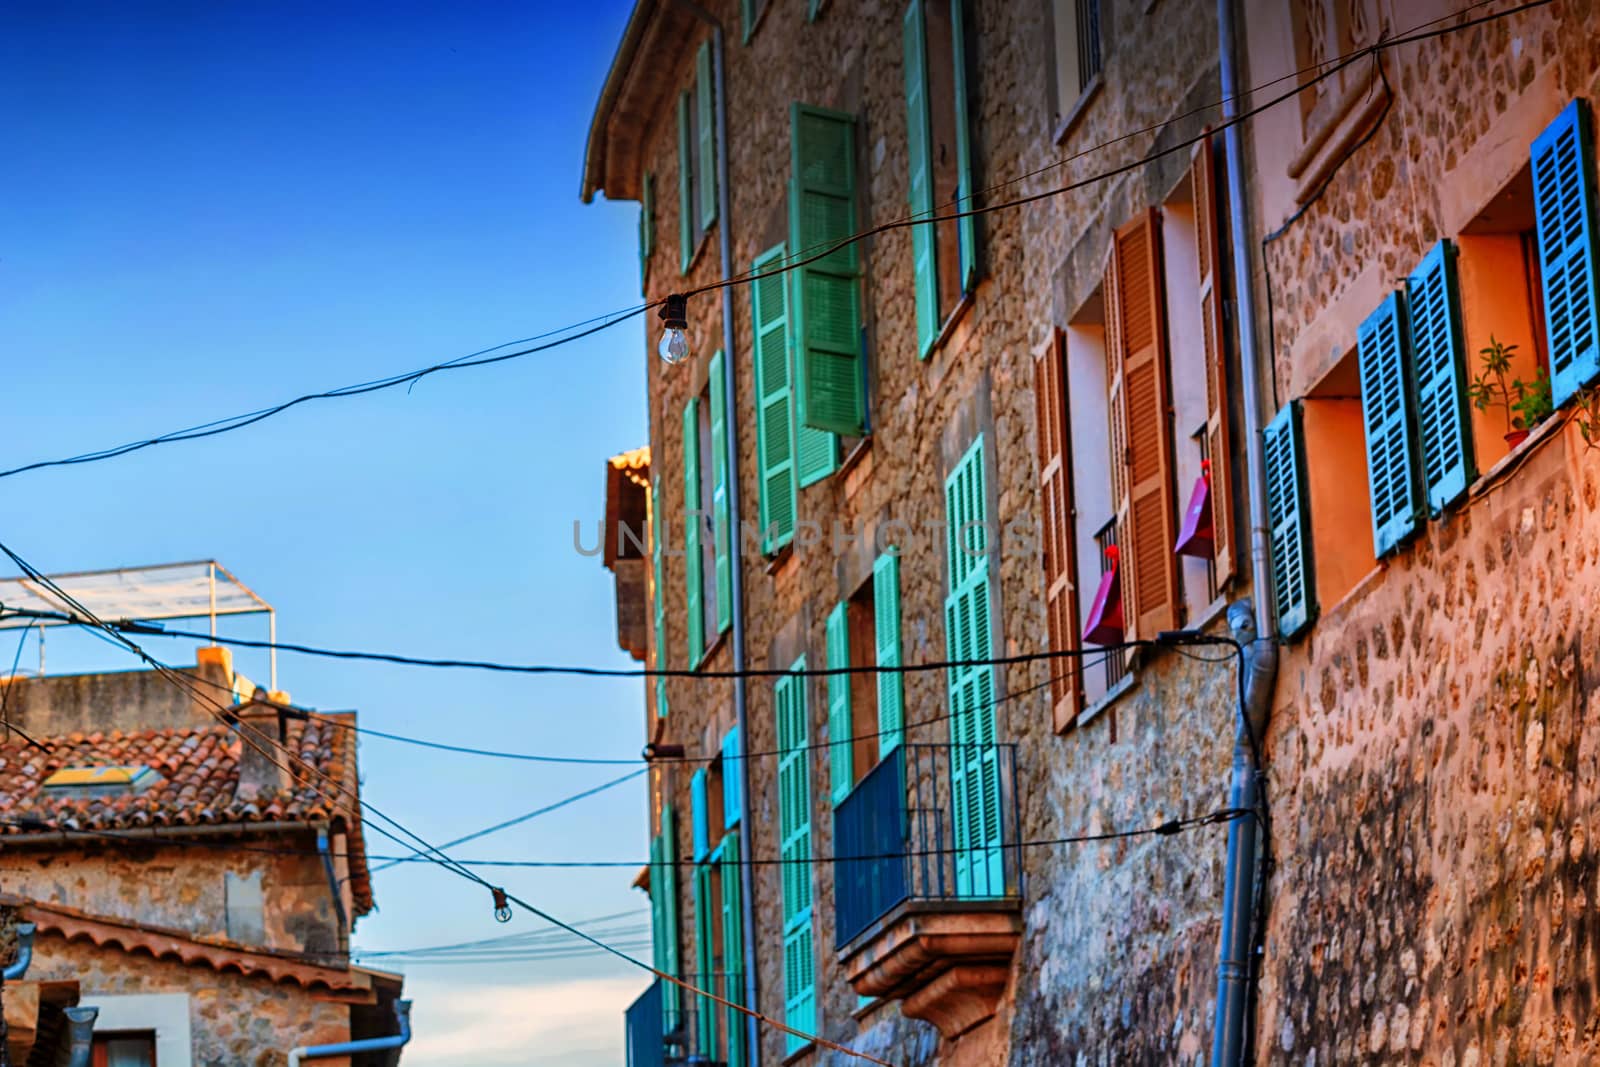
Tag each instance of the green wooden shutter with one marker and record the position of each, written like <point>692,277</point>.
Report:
<point>967,226</point>
<point>794,792</point>
<point>1288,521</point>
<point>732,780</point>
<point>664,877</point>
<point>733,946</point>
<point>813,9</point>
<point>706,915</point>
<point>886,629</point>
<point>699,816</point>
<point>818,454</point>
<point>1386,399</point>
<point>706,162</point>
<point>721,527</point>
<point>800,984</point>
<point>974,759</point>
<point>693,564</point>
<point>685,187</point>
<point>1564,205</point>
<point>841,765</point>
<point>647,225</point>
<point>774,401</point>
<point>658,595</point>
<point>1444,432</point>
<point>747,19</point>
<point>826,291</point>
<point>919,142</point>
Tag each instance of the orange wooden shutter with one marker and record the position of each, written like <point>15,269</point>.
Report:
<point>1148,525</point>
<point>1060,557</point>
<point>1116,422</point>
<point>1207,227</point>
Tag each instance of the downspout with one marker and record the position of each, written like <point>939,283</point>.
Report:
<point>19,966</point>
<point>80,1030</point>
<point>747,881</point>
<point>1231,1031</point>
<point>402,1014</point>
<point>326,851</point>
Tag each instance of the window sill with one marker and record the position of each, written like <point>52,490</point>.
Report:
<point>699,250</point>
<point>862,447</point>
<point>778,559</point>
<point>712,649</point>
<point>1114,694</point>
<point>860,1014</point>
<point>1077,111</point>
<point>1512,460</point>
<point>799,1054</point>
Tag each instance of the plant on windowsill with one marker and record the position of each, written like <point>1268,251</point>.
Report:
<point>1526,404</point>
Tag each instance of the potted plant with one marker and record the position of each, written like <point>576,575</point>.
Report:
<point>1526,404</point>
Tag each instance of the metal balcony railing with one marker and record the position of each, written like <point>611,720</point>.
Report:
<point>644,1024</point>
<point>703,1034</point>
<point>929,822</point>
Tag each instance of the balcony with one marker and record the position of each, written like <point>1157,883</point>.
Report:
<point>926,881</point>
<point>707,1034</point>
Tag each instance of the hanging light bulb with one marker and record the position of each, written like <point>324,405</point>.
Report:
<point>674,346</point>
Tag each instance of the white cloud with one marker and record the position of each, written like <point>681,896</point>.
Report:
<point>530,1024</point>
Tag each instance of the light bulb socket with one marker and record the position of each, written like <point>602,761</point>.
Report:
<point>674,313</point>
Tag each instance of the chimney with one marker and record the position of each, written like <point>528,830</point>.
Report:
<point>263,761</point>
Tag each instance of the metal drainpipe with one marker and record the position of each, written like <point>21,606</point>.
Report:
<point>80,1028</point>
<point>1231,1027</point>
<point>334,883</point>
<point>402,1014</point>
<point>747,882</point>
<point>19,966</point>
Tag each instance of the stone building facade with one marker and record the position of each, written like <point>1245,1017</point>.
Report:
<point>1066,378</point>
<point>198,889</point>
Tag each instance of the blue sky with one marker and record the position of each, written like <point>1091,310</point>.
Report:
<point>206,207</point>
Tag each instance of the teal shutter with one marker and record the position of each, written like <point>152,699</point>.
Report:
<point>706,916</point>
<point>967,226</point>
<point>720,520</point>
<point>818,454</point>
<point>1444,434</point>
<point>658,595</point>
<point>733,947</point>
<point>886,628</point>
<point>826,308</point>
<point>919,143</point>
<point>664,880</point>
<point>813,9</point>
<point>685,187</point>
<point>1387,414</point>
<point>840,762</point>
<point>1288,520</point>
<point>747,19</point>
<point>774,400</point>
<point>706,162</point>
<point>974,759</point>
<point>794,834</point>
<point>1563,200</point>
<point>800,984</point>
<point>732,770</point>
<point>693,562</point>
<point>699,816</point>
<point>647,225</point>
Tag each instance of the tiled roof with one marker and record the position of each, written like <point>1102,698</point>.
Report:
<point>634,465</point>
<point>199,769</point>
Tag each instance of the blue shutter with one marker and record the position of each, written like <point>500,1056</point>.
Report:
<point>732,780</point>
<point>1444,434</point>
<point>919,152</point>
<point>700,816</point>
<point>1563,200</point>
<point>1387,414</point>
<point>1288,521</point>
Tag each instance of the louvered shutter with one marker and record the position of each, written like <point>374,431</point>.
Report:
<point>658,596</point>
<point>826,293</point>
<point>967,225</point>
<point>1444,432</point>
<point>1060,554</point>
<point>800,984</point>
<point>732,780</point>
<point>816,454</point>
<point>1386,409</point>
<point>1117,426</point>
<point>1564,205</point>
<point>1288,522</point>
<point>1149,522</point>
<point>685,186</point>
<point>694,577</point>
<point>705,919</point>
<point>658,910</point>
<point>699,816</point>
<point>666,877</point>
<point>974,767</point>
<point>841,765</point>
<point>706,161</point>
<point>774,412</point>
<point>747,18</point>
<point>647,226</point>
<point>733,947</point>
<point>919,142</point>
<point>1219,446</point>
<point>794,792</point>
<point>721,526</point>
<point>886,628</point>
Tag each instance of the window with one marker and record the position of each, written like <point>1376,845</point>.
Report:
<point>939,148</point>
<point>1329,430</point>
<point>865,719</point>
<point>794,835</point>
<point>708,575</point>
<point>697,159</point>
<point>1077,52</point>
<point>124,1050</point>
<point>733,1034</point>
<point>664,913</point>
<point>246,922</point>
<point>716,811</point>
<point>1050,388</point>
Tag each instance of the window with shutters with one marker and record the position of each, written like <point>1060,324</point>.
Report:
<point>864,707</point>
<point>647,227</point>
<point>1075,60</point>
<point>1338,506</point>
<point>705,515</point>
<point>664,913</point>
<point>697,159</point>
<point>1058,526</point>
<point>794,839</point>
<point>939,151</point>
<point>658,595</point>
